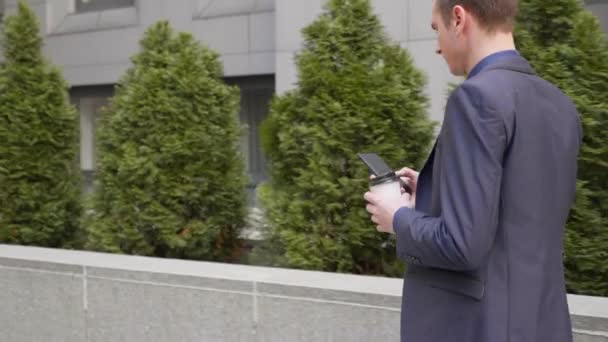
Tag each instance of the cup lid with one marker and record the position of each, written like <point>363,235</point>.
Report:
<point>385,178</point>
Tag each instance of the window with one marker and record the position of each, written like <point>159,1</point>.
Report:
<point>101,5</point>
<point>89,109</point>
<point>225,8</point>
<point>256,93</point>
<point>88,102</point>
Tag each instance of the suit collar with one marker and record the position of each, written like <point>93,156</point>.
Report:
<point>490,59</point>
<point>512,63</point>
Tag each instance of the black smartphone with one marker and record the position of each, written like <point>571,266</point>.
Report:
<point>375,164</point>
<point>378,167</point>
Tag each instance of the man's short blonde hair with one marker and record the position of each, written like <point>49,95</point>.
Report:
<point>493,15</point>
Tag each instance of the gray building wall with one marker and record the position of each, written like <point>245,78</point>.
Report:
<point>94,47</point>
<point>256,39</point>
<point>600,9</point>
<point>407,22</point>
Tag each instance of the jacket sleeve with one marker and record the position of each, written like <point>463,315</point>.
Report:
<point>472,142</point>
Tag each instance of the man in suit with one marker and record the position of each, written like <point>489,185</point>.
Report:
<point>482,229</point>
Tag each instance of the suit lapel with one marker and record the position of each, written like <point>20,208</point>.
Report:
<point>424,185</point>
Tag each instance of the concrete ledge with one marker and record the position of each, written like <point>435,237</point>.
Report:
<point>60,295</point>
<point>589,318</point>
<point>331,281</point>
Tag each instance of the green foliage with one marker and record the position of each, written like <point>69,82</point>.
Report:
<point>357,92</point>
<point>566,46</point>
<point>586,247</point>
<point>39,177</point>
<point>171,178</point>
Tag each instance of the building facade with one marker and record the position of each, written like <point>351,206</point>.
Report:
<point>92,42</point>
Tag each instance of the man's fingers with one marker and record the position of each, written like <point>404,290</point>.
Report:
<point>375,220</point>
<point>369,197</point>
<point>407,172</point>
<point>410,183</point>
<point>370,209</point>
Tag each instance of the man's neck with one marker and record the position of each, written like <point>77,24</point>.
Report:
<point>484,45</point>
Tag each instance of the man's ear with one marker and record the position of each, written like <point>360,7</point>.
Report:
<point>459,17</point>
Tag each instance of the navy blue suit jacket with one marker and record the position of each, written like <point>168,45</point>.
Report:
<point>484,243</point>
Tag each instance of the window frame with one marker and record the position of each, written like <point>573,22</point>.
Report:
<point>75,4</point>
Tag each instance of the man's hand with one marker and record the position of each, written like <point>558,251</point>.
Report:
<point>383,210</point>
<point>410,178</point>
